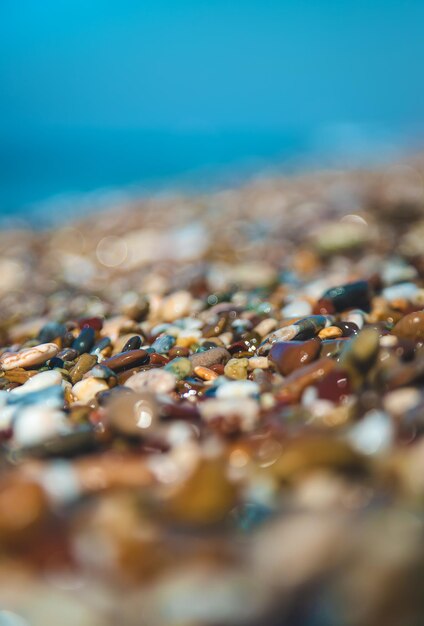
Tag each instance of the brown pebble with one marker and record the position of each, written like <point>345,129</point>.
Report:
<point>411,326</point>
<point>288,356</point>
<point>177,351</point>
<point>210,357</point>
<point>205,373</point>
<point>300,379</point>
<point>126,360</point>
<point>83,364</point>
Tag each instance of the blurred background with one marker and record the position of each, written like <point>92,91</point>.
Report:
<point>100,99</point>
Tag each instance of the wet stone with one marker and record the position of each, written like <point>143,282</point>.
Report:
<point>51,331</point>
<point>236,368</point>
<point>288,356</point>
<point>134,343</point>
<point>163,344</point>
<point>350,296</point>
<point>210,357</point>
<point>126,360</point>
<point>411,326</point>
<point>85,340</point>
<point>83,364</point>
<point>181,367</point>
<point>27,358</point>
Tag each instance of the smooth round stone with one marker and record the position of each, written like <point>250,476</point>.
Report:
<point>28,357</point>
<point>400,401</point>
<point>349,296</point>
<point>310,374</point>
<point>51,331</point>
<point>83,364</point>
<point>411,326</point>
<point>400,291</point>
<point>281,334</point>
<point>35,424</point>
<point>335,386</point>
<point>132,414</point>
<point>85,340</point>
<point>288,356</point>
<point>178,351</point>
<point>134,343</point>
<point>101,345</point>
<point>176,305</point>
<point>210,357</point>
<point>310,326</point>
<point>155,380</point>
<point>126,360</point>
<point>163,344</point>
<point>236,368</point>
<point>238,414</point>
<point>39,381</point>
<point>237,389</point>
<point>180,367</point>
<point>373,434</point>
<point>87,388</point>
<point>296,308</point>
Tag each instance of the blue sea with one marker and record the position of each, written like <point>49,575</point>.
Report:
<point>50,175</point>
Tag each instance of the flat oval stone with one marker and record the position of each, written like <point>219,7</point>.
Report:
<point>210,357</point>
<point>126,360</point>
<point>411,326</point>
<point>132,414</point>
<point>155,380</point>
<point>40,381</point>
<point>163,344</point>
<point>288,356</point>
<point>134,343</point>
<point>96,323</point>
<point>28,357</point>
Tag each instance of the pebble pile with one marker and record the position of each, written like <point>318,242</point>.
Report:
<point>212,409</point>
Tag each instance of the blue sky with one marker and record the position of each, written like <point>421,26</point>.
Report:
<point>196,64</point>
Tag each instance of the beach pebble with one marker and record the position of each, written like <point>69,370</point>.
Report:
<point>411,326</point>
<point>36,424</point>
<point>180,367</point>
<point>210,357</point>
<point>236,368</point>
<point>176,305</point>
<point>240,414</point>
<point>237,389</point>
<point>156,380</point>
<point>296,308</point>
<point>373,434</point>
<point>28,357</point>
<point>288,356</point>
<point>85,390</point>
<point>39,381</point>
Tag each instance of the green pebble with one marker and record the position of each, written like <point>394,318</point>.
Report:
<point>236,369</point>
<point>180,367</point>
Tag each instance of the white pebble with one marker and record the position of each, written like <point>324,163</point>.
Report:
<point>374,434</point>
<point>297,308</point>
<point>36,424</point>
<point>85,390</point>
<point>39,381</point>
<point>176,305</point>
<point>399,401</point>
<point>246,410</point>
<point>29,356</point>
<point>155,380</point>
<point>237,389</point>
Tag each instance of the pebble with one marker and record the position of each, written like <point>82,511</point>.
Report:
<point>163,344</point>
<point>331,332</point>
<point>35,424</point>
<point>85,390</point>
<point>238,389</point>
<point>205,373</point>
<point>349,296</point>
<point>132,414</point>
<point>181,367</point>
<point>157,381</point>
<point>83,364</point>
<point>39,381</point>
<point>236,368</point>
<point>288,356</point>
<point>296,308</point>
<point>51,331</point>
<point>411,326</point>
<point>231,414</point>
<point>374,434</point>
<point>210,357</point>
<point>176,305</point>
<point>29,357</point>
<point>126,360</point>
<point>85,340</point>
